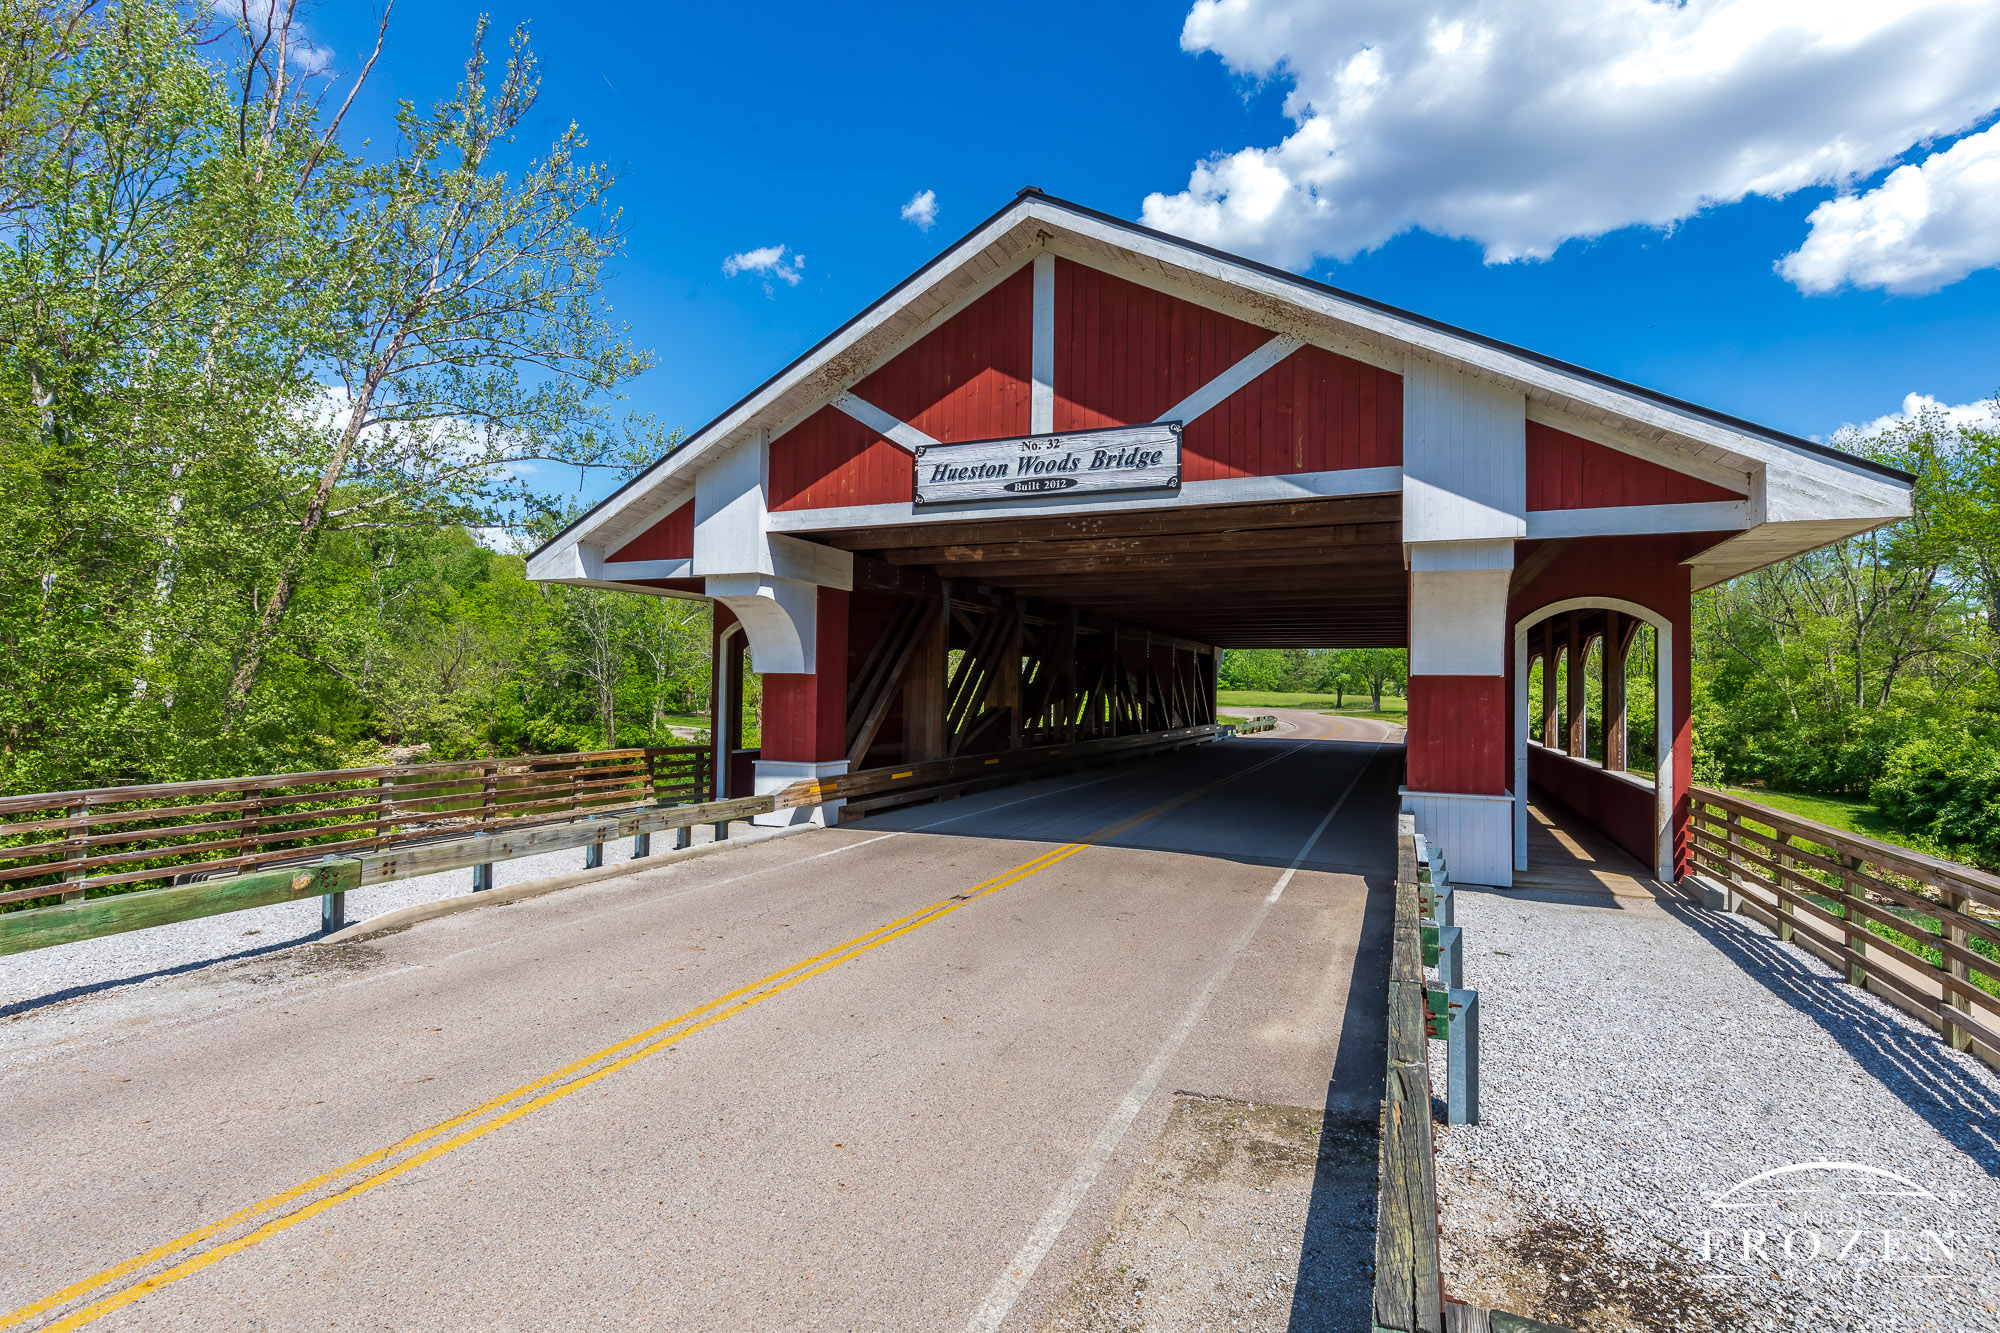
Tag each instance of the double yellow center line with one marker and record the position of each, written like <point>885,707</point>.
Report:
<point>383,1165</point>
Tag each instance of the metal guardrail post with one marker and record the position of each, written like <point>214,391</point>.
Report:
<point>482,875</point>
<point>593,856</point>
<point>332,906</point>
<point>1451,957</point>
<point>722,831</point>
<point>1453,1010</point>
<point>1461,1053</point>
<point>642,845</point>
<point>683,836</point>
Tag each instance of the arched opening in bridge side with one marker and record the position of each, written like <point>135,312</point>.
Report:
<point>1638,813</point>
<point>732,761</point>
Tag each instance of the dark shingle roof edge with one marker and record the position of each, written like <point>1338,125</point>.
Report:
<point>1290,279</point>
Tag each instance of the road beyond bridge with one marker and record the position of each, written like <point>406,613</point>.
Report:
<point>890,1075</point>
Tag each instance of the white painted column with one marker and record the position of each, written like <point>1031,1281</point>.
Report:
<point>772,583</point>
<point>1464,507</point>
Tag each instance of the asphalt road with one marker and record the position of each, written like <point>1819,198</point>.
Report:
<point>1310,724</point>
<point>886,1076</point>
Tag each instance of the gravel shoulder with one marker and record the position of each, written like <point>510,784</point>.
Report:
<point>1641,1060</point>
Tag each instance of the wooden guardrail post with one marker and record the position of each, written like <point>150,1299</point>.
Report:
<point>1408,1287</point>
<point>1856,932</point>
<point>642,843</point>
<point>489,812</point>
<point>1955,973</point>
<point>79,833</point>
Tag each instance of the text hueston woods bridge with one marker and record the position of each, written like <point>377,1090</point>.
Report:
<point>995,529</point>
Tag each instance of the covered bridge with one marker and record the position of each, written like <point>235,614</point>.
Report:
<point>1031,493</point>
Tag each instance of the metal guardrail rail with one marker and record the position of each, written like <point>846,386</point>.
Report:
<point>1827,891</point>
<point>380,856</point>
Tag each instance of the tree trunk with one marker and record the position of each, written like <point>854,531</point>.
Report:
<point>251,663</point>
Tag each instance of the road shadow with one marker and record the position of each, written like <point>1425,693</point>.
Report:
<point>1913,1064</point>
<point>1334,1290</point>
<point>1263,800</point>
<point>33,1002</point>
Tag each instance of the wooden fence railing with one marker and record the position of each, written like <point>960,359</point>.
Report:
<point>596,816</point>
<point>65,845</point>
<point>1918,930</point>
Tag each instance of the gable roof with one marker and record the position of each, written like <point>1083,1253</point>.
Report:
<point>1326,315</point>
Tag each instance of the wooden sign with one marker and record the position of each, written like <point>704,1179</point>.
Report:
<point>1085,462</point>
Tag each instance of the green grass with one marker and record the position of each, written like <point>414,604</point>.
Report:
<point>1918,944</point>
<point>1355,703</point>
<point>1847,813</point>
<point>1851,815</point>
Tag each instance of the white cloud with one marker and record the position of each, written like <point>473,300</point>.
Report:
<point>1520,124</point>
<point>1922,228</point>
<point>769,263</point>
<point>257,17</point>
<point>922,209</point>
<point>1921,404</point>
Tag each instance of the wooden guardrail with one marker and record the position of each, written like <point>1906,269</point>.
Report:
<point>1409,1283</point>
<point>1409,1292</point>
<point>71,843</point>
<point>1837,893</point>
<point>365,848</point>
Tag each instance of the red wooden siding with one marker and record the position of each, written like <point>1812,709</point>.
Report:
<point>1457,739</point>
<point>964,380</point>
<point>805,715</point>
<point>830,460</point>
<point>672,538</point>
<point>1568,472</point>
<point>968,378</point>
<point>1620,809</point>
<point>1126,354</point>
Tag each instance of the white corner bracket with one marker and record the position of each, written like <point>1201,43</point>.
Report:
<point>779,616</point>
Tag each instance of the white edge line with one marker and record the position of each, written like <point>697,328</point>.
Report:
<point>1014,1278</point>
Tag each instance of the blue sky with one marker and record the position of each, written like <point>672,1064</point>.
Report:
<point>812,127</point>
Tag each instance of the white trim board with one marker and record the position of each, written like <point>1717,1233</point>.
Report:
<point>899,433</point>
<point>1640,520</point>
<point>1239,376</point>
<point>1235,490</point>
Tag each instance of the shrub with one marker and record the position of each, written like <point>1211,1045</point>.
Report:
<point>1945,782</point>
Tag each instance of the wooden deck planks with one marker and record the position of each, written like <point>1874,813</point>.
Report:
<point>1567,855</point>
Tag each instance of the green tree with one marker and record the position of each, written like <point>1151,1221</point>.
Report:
<point>464,331</point>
